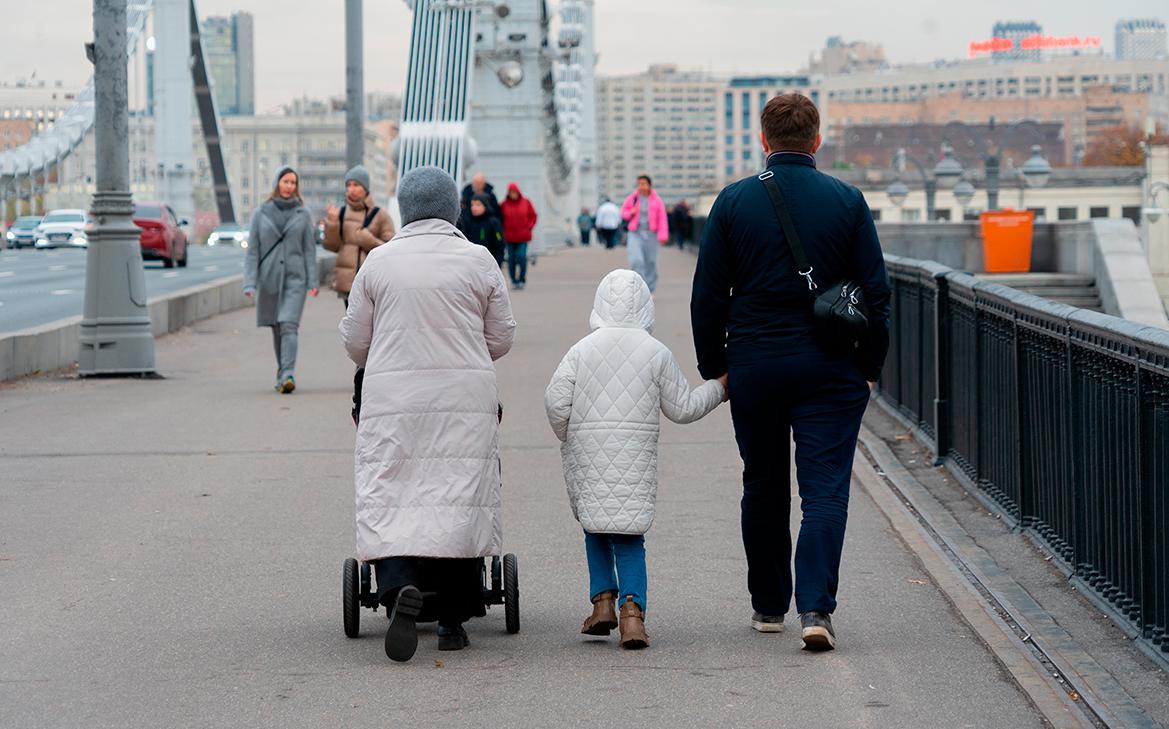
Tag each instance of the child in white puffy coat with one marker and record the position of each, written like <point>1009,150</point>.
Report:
<point>604,402</point>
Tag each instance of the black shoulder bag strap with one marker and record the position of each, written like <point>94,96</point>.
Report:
<point>803,267</point>
<point>840,313</point>
<point>369,216</point>
<point>275,245</point>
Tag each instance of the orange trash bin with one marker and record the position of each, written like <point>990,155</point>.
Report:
<point>1006,240</point>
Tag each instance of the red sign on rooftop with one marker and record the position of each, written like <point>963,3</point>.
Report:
<point>1037,42</point>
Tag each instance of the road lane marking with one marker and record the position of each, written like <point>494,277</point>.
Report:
<point>57,268</point>
<point>61,292</point>
<point>211,268</point>
<point>6,274</point>
<point>171,274</point>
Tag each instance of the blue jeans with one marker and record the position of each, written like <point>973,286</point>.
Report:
<point>819,401</point>
<point>643,256</point>
<point>517,262</point>
<point>626,552</point>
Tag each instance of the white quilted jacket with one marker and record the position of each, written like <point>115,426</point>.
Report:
<point>603,403</point>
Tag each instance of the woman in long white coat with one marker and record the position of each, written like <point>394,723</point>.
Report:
<point>428,314</point>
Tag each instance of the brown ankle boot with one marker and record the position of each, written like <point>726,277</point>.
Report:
<point>633,626</point>
<point>604,617</point>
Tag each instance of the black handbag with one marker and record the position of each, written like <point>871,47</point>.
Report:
<point>840,314</point>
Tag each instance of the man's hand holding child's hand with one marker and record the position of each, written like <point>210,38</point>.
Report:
<point>726,391</point>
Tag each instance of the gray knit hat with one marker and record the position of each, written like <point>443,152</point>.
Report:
<point>428,192</point>
<point>284,170</point>
<point>360,175</point>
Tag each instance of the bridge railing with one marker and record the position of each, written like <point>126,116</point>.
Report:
<point>1058,416</point>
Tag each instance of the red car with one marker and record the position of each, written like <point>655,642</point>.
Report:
<point>162,238</point>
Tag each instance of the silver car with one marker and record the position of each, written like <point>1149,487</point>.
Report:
<point>64,229</point>
<point>229,234</point>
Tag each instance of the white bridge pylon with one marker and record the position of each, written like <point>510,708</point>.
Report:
<point>482,95</point>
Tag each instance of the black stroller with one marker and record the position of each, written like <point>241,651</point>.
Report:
<point>500,576</point>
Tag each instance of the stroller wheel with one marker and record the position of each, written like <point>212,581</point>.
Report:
<point>511,593</point>
<point>350,598</point>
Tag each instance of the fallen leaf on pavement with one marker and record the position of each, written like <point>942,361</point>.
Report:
<point>439,664</point>
<point>918,582</point>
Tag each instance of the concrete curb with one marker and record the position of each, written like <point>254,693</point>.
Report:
<point>54,346</point>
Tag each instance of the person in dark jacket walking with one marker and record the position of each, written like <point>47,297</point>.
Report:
<point>681,223</point>
<point>751,313</point>
<point>280,269</point>
<point>480,186</point>
<point>584,222</point>
<point>519,220</point>
<point>482,228</point>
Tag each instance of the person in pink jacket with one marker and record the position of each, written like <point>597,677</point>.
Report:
<point>649,227</point>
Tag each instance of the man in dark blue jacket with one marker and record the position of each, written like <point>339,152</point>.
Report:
<point>751,312</point>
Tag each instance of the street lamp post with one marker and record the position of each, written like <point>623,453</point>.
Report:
<point>116,336</point>
<point>1035,171</point>
<point>354,85</point>
<point>946,173</point>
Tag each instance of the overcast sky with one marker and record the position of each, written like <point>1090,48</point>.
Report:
<point>300,49</point>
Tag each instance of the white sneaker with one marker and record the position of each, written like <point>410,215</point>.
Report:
<point>767,623</point>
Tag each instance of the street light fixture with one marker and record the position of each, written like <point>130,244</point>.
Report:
<point>948,171</point>
<point>897,192</point>
<point>510,74</point>
<point>1036,170</point>
<point>964,193</point>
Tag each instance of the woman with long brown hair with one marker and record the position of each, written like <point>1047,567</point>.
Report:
<point>281,268</point>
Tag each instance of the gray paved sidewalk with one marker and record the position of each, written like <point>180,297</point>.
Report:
<point>170,555</point>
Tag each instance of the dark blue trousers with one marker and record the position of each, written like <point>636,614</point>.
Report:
<point>819,401</point>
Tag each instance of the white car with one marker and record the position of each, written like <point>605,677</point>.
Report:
<point>229,234</point>
<point>64,229</point>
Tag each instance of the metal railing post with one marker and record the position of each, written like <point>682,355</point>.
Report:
<point>941,365</point>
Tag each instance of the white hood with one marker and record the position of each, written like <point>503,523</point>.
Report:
<point>605,401</point>
<point>623,300</point>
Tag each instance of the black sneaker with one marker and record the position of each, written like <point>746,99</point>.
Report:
<point>452,638</point>
<point>402,635</point>
<point>816,631</point>
<point>767,623</point>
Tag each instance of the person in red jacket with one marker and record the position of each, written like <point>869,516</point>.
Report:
<point>519,218</point>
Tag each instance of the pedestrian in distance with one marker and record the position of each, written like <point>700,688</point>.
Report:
<point>608,222</point>
<point>354,229</point>
<point>607,419</point>
<point>428,314</point>
<point>482,228</point>
<point>682,223</point>
<point>649,227</point>
<point>789,375</point>
<point>584,222</point>
<point>480,186</point>
<point>280,269</point>
<point>519,220</point>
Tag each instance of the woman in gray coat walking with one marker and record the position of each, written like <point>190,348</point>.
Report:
<point>281,268</point>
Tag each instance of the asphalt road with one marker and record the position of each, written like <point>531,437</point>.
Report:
<point>170,555</point>
<point>38,287</point>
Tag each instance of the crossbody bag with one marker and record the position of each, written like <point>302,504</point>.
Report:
<point>839,314</point>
